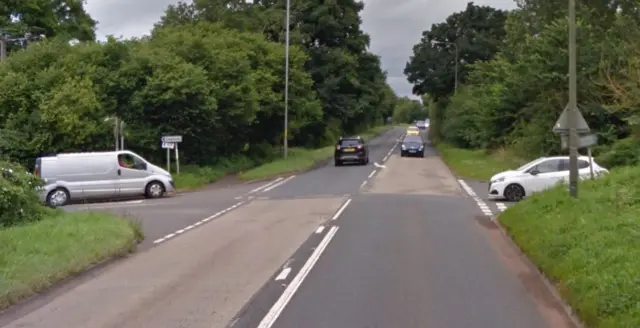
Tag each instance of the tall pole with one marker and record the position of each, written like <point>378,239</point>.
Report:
<point>455,88</point>
<point>116,128</point>
<point>573,103</point>
<point>286,82</point>
<point>3,47</point>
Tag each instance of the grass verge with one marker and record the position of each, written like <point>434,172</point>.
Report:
<point>37,255</point>
<point>478,164</point>
<point>192,177</point>
<point>589,247</point>
<point>301,159</point>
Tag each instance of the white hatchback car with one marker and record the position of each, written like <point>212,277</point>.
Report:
<point>538,175</point>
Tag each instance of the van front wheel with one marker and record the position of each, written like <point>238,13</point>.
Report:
<point>154,189</point>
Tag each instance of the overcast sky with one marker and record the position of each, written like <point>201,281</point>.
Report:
<point>394,25</point>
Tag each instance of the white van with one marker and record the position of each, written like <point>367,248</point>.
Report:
<point>111,174</point>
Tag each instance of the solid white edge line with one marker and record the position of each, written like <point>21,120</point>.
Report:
<point>339,212</point>
<point>320,229</point>
<point>283,274</point>
<point>265,185</point>
<point>281,303</point>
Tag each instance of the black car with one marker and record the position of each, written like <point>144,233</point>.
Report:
<point>412,146</point>
<point>352,149</point>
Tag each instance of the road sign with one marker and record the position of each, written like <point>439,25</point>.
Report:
<point>172,139</point>
<point>562,124</point>
<point>168,145</point>
<point>583,141</point>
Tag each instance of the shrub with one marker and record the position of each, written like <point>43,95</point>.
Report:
<point>625,152</point>
<point>19,201</point>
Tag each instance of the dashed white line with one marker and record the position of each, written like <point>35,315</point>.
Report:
<point>371,174</point>
<point>364,183</point>
<point>283,274</point>
<point>281,303</point>
<point>205,220</point>
<point>501,206</point>
<point>483,206</point>
<point>341,209</point>
<point>320,229</point>
<point>266,185</point>
<point>278,184</point>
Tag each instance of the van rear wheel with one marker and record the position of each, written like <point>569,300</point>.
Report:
<point>58,197</point>
<point>154,189</point>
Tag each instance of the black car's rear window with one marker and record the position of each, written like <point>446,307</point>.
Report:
<point>412,139</point>
<point>350,142</point>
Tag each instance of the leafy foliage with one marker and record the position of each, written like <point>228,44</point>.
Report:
<point>511,97</point>
<point>212,71</point>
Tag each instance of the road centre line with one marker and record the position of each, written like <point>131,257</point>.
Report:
<point>371,174</point>
<point>278,184</point>
<point>320,229</point>
<point>283,274</point>
<point>364,183</point>
<point>197,224</point>
<point>266,185</point>
<point>292,288</point>
<point>341,209</point>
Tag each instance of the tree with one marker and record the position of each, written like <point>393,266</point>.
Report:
<point>476,32</point>
<point>53,18</point>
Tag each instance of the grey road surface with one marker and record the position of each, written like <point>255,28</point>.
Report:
<point>331,180</point>
<point>411,250</point>
<point>401,245</point>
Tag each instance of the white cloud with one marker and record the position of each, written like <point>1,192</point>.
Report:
<point>394,26</point>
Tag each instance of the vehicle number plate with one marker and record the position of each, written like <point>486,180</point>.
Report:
<point>349,150</point>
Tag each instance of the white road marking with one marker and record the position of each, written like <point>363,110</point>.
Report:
<point>378,165</point>
<point>364,183</point>
<point>283,274</point>
<point>481,204</point>
<point>320,229</point>
<point>501,206</point>
<point>339,212</point>
<point>197,224</point>
<point>130,203</point>
<point>266,185</point>
<point>278,184</point>
<point>281,303</point>
<point>371,174</point>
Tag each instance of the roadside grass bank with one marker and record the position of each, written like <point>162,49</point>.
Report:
<point>301,159</point>
<point>193,177</point>
<point>588,247</point>
<point>37,255</point>
<point>478,164</point>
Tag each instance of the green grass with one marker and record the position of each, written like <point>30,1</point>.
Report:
<point>478,164</point>
<point>301,159</point>
<point>37,255</point>
<point>590,246</point>
<point>192,177</point>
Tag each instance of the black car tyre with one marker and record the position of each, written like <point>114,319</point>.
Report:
<point>337,162</point>
<point>422,154</point>
<point>514,192</point>
<point>57,197</point>
<point>155,189</point>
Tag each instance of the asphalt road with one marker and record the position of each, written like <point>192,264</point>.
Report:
<point>399,245</point>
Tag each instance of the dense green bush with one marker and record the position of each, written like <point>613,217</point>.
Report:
<point>622,153</point>
<point>19,201</point>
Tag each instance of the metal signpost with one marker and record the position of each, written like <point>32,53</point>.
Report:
<point>585,141</point>
<point>171,142</point>
<point>575,133</point>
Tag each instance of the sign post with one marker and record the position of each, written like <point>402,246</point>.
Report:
<point>168,143</point>
<point>572,124</point>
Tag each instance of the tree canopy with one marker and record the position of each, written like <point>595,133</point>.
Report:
<point>512,97</point>
<point>212,71</point>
